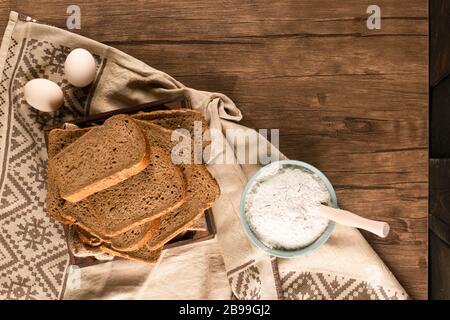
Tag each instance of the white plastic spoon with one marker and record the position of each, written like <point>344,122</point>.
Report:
<point>350,219</point>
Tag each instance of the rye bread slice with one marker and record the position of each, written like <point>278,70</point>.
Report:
<point>170,120</point>
<point>157,190</point>
<point>130,240</point>
<point>188,119</point>
<point>203,189</point>
<point>202,193</point>
<point>57,140</point>
<point>100,159</point>
<point>142,255</point>
<point>173,224</point>
<point>137,237</point>
<point>175,119</point>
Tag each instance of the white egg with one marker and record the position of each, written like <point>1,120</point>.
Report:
<point>43,95</point>
<point>80,67</point>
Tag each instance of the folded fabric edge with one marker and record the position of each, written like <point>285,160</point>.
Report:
<point>13,17</point>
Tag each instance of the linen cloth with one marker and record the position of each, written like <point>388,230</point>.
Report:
<point>33,259</point>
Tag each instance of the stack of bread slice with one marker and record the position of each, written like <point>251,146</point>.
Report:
<point>118,184</point>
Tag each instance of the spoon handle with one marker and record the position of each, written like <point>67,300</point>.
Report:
<point>350,219</point>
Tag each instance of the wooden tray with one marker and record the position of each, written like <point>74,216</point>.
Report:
<point>188,237</point>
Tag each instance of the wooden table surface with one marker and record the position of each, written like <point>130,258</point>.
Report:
<point>351,101</point>
<point>439,173</point>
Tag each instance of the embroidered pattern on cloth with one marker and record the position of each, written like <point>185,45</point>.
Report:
<point>320,286</point>
<point>246,283</point>
<point>33,252</point>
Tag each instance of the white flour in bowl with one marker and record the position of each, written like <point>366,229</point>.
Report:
<point>278,207</point>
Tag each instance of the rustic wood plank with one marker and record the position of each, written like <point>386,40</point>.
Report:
<point>350,101</point>
<point>440,194</point>
<point>201,20</point>
<point>439,40</point>
<point>439,120</point>
<point>440,272</point>
<point>156,21</point>
<point>440,228</point>
<point>439,220</point>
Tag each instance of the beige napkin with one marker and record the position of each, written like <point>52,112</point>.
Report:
<point>344,268</point>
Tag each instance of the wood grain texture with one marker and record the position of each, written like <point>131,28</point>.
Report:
<point>351,101</point>
<point>440,189</point>
<point>439,119</point>
<point>439,40</point>
<point>440,228</point>
<point>439,219</point>
<point>440,272</point>
<point>439,70</point>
